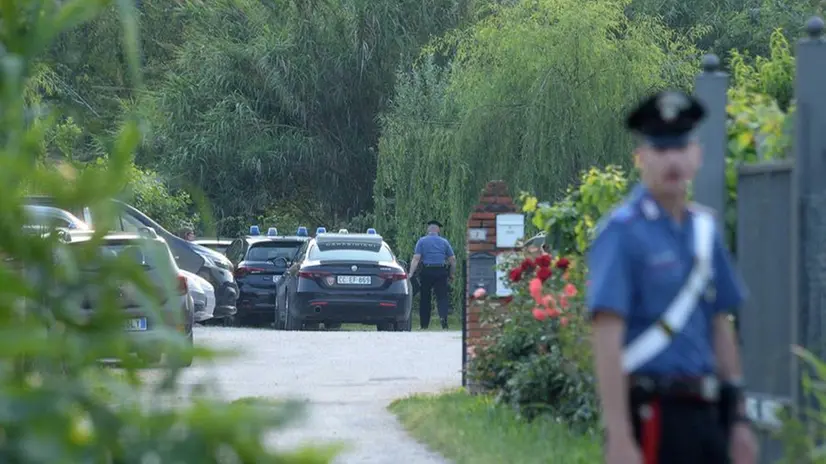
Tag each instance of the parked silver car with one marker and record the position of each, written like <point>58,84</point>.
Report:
<point>44,219</point>
<point>170,287</point>
<point>203,295</point>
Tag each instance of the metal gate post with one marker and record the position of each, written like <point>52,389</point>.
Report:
<point>711,88</point>
<point>464,324</point>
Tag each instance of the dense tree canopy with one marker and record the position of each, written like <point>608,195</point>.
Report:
<point>329,109</point>
<point>282,97</point>
<point>534,95</point>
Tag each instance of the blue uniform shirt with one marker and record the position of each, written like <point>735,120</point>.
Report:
<point>639,261</point>
<point>434,249</point>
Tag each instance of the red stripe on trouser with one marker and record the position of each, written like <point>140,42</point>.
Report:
<point>651,428</point>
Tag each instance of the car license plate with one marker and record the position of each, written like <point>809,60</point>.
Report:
<point>137,324</point>
<point>353,280</point>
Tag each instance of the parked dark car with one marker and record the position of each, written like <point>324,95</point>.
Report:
<point>209,264</point>
<point>260,261</point>
<point>345,278</point>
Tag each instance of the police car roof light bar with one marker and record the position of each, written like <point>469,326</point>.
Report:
<point>272,232</point>
<point>321,230</point>
<point>301,232</point>
<point>371,231</point>
<point>343,231</point>
<point>254,230</point>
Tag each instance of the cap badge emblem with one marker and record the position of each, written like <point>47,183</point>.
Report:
<point>670,105</point>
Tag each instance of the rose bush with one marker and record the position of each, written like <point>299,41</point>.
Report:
<point>537,359</point>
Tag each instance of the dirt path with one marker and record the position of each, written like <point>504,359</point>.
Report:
<point>347,378</point>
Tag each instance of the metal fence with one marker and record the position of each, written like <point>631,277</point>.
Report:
<point>781,236</point>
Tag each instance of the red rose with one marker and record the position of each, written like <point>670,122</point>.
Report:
<point>516,274</point>
<point>544,273</point>
<point>562,263</point>
<point>527,265</point>
<point>543,260</point>
<point>507,299</point>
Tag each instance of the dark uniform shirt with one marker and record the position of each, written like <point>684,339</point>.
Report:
<point>639,261</point>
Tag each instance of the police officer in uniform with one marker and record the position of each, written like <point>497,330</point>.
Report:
<point>438,268</point>
<point>662,287</point>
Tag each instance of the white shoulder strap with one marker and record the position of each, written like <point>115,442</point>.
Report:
<point>656,338</point>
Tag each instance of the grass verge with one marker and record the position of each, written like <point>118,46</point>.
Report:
<point>473,429</point>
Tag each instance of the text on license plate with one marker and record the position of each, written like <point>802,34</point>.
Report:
<point>353,280</point>
<point>137,324</point>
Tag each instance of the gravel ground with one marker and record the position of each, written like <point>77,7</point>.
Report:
<point>348,379</point>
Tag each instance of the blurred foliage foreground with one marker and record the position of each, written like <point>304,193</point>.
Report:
<point>57,403</point>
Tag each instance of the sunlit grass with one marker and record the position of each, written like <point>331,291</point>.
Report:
<point>473,429</point>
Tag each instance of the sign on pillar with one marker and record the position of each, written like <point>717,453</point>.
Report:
<point>494,229</point>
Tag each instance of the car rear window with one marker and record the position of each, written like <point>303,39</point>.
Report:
<point>350,251</point>
<point>267,251</point>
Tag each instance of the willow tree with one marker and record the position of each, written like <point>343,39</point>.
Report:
<point>534,94</point>
<point>270,100</point>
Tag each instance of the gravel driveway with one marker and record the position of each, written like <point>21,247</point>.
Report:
<point>347,377</point>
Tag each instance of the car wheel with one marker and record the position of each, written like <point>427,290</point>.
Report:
<point>278,322</point>
<point>291,323</point>
<point>405,325</point>
<point>385,327</point>
<point>190,345</point>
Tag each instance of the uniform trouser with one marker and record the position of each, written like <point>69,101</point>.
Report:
<point>433,279</point>
<point>679,431</point>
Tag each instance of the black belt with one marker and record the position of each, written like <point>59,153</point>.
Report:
<point>435,266</point>
<point>705,388</point>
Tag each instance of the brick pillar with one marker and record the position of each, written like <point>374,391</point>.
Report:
<point>481,256</point>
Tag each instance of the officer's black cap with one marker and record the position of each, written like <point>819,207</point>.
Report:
<point>666,119</point>
<point>434,222</point>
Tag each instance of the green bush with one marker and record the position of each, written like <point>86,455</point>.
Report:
<point>60,405</point>
<point>570,222</point>
<point>148,192</point>
<point>802,434</point>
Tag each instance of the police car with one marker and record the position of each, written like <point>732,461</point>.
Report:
<point>259,262</point>
<point>345,278</point>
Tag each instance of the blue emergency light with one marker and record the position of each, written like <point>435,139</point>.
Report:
<point>371,231</point>
<point>254,230</point>
<point>321,230</point>
<point>272,232</point>
<point>301,232</point>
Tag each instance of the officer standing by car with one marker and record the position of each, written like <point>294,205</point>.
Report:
<point>187,234</point>
<point>662,287</point>
<point>438,269</point>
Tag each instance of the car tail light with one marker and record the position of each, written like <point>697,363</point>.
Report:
<point>183,288</point>
<point>312,274</point>
<point>244,270</point>
<point>394,275</point>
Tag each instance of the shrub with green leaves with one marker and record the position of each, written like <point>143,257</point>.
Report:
<point>537,358</point>
<point>59,404</point>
